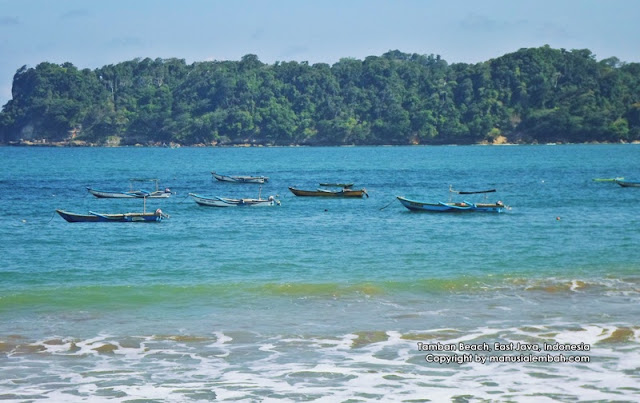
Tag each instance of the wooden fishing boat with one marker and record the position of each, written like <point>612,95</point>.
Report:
<point>74,217</point>
<point>229,202</point>
<point>240,178</point>
<point>156,216</point>
<point>628,184</point>
<point>452,207</point>
<point>344,192</point>
<point>132,193</point>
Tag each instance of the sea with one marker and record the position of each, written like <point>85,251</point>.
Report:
<point>321,299</point>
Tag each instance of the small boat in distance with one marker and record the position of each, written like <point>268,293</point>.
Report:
<point>451,207</point>
<point>132,193</point>
<point>216,201</point>
<point>156,216</point>
<point>240,178</point>
<point>454,207</point>
<point>628,184</point>
<point>344,192</point>
<point>608,179</point>
<point>464,192</point>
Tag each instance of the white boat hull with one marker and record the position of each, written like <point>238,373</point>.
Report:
<point>240,179</point>
<point>129,195</point>
<point>227,202</point>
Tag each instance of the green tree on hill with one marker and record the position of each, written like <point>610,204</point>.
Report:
<point>531,95</point>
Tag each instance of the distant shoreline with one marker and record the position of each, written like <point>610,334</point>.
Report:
<point>75,144</point>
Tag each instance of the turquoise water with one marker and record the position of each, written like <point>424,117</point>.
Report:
<point>319,299</point>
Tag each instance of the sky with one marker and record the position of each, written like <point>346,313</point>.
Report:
<point>92,34</point>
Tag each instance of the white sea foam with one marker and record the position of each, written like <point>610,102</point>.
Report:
<point>384,365</point>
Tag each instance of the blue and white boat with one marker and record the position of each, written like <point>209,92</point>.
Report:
<point>452,207</point>
<point>240,178</point>
<point>132,194</point>
<point>215,201</point>
<point>156,216</point>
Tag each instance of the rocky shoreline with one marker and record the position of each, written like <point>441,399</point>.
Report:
<point>79,143</point>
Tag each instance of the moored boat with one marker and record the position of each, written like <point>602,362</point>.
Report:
<point>156,216</point>
<point>344,192</point>
<point>628,184</point>
<point>216,201</point>
<point>452,207</point>
<point>470,192</point>
<point>240,178</point>
<point>132,194</point>
<point>136,194</point>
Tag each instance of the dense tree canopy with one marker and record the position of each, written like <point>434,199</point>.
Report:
<point>532,95</point>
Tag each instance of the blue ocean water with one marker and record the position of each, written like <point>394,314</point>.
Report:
<point>321,299</point>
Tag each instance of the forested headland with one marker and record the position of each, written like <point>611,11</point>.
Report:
<point>535,95</point>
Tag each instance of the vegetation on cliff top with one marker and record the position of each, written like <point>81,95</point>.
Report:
<point>532,95</point>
